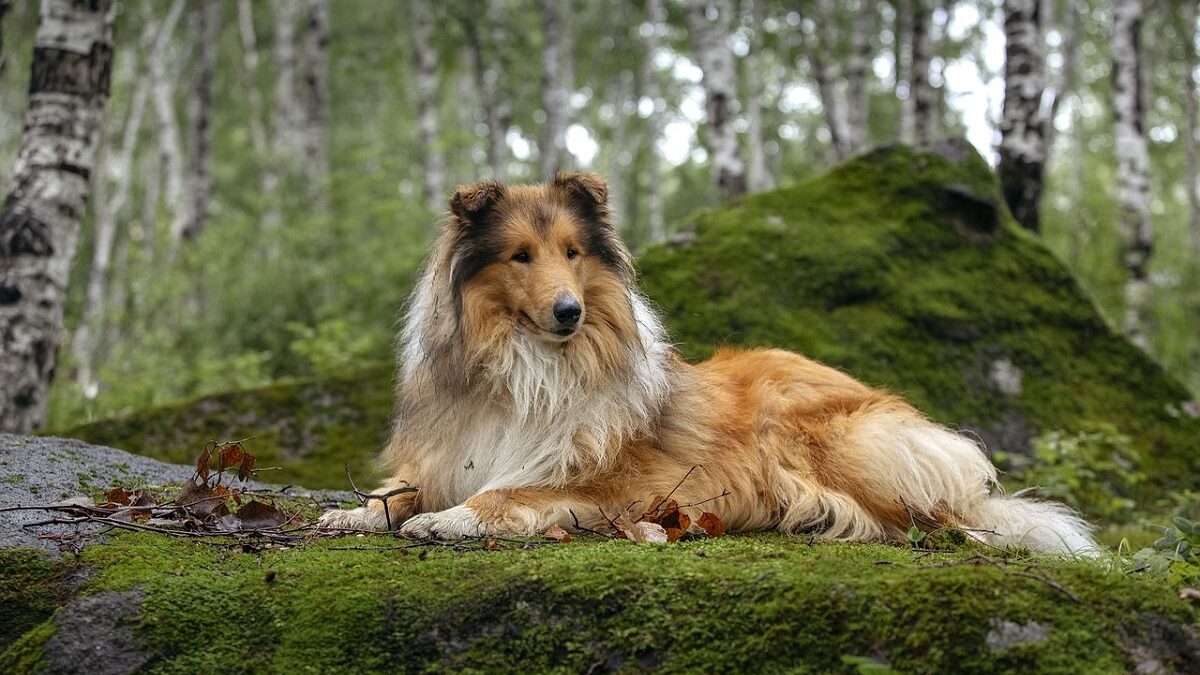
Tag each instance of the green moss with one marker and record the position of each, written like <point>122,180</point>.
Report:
<point>31,587</point>
<point>899,267</point>
<point>26,654</point>
<point>307,429</point>
<point>765,603</point>
<point>902,269</point>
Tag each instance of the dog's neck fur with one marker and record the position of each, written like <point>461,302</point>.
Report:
<point>529,415</point>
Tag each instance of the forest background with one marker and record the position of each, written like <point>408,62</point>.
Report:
<point>270,174</point>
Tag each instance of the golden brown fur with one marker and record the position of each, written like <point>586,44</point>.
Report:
<point>510,421</point>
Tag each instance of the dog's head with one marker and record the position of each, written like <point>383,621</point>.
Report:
<point>545,259</point>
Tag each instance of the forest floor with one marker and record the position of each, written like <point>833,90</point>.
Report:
<point>143,600</point>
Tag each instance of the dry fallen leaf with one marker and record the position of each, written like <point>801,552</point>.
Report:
<point>119,496</point>
<point>491,544</point>
<point>247,466</point>
<point>202,463</point>
<point>558,534</point>
<point>256,515</point>
<point>641,532</point>
<point>199,500</point>
<point>711,523</point>
<point>229,455</point>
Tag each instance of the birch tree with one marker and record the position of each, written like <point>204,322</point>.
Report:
<point>817,40</point>
<point>162,94</point>
<point>917,121</point>
<point>42,214</point>
<point>553,145</point>
<point>425,60</point>
<point>650,30</point>
<point>249,41</point>
<point>758,178</point>
<point>709,27</point>
<point>206,64</point>
<point>1187,17</point>
<point>488,66</point>
<point>1133,165</point>
<point>315,131</point>
<point>1022,128</point>
<point>4,9</point>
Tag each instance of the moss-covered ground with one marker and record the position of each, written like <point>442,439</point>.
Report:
<point>899,267</point>
<point>736,604</point>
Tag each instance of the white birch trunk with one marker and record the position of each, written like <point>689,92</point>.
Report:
<point>85,342</point>
<point>656,19</point>
<point>758,178</point>
<point>709,27</point>
<point>1187,15</point>
<point>162,95</point>
<point>1133,165</point>
<point>489,73</point>
<point>827,74</point>
<point>902,78</point>
<point>921,94</point>
<point>249,40</point>
<point>288,143</point>
<point>42,214</point>
<point>858,76</point>
<point>553,145</point>
<point>315,133</point>
<point>425,59</point>
<point>1022,128</point>
<point>201,164</point>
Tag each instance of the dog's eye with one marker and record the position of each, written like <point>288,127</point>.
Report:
<point>571,253</point>
<point>523,257</point>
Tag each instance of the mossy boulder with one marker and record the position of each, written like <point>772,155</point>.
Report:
<point>901,267</point>
<point>736,604</point>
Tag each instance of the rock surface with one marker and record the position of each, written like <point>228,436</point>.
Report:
<point>37,470</point>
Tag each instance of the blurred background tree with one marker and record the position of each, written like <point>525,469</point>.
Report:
<point>270,173</point>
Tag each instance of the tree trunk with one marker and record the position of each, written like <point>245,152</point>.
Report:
<point>709,26</point>
<point>486,61</point>
<point>4,8</point>
<point>553,145</point>
<point>656,20</point>
<point>828,77</point>
<point>1072,38</point>
<point>316,103</point>
<point>1133,165</point>
<point>1022,129</point>
<point>201,183</point>
<point>85,343</point>
<point>170,146</point>
<point>258,133</point>
<point>288,143</point>
<point>41,218</point>
<point>858,75</point>
<point>425,58</point>
<point>920,91</point>
<point>757,176</point>
<point>1187,15</point>
<point>902,78</point>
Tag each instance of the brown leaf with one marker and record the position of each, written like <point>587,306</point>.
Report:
<point>202,463</point>
<point>247,466</point>
<point>641,532</point>
<point>256,515</point>
<point>199,500</point>
<point>119,496</point>
<point>711,523</point>
<point>491,544</point>
<point>144,499</point>
<point>558,534</point>
<point>229,455</point>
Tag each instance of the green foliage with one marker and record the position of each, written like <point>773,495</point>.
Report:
<point>1096,471</point>
<point>334,346</point>
<point>1176,553</point>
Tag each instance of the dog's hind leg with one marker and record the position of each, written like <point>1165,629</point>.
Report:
<point>371,516</point>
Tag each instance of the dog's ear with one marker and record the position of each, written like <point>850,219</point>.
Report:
<point>471,203</point>
<point>585,189</point>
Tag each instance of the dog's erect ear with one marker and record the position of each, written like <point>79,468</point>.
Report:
<point>470,203</point>
<point>588,188</point>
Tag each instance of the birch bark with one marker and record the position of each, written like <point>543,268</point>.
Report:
<point>425,59</point>
<point>553,146</point>
<point>1022,128</point>
<point>42,214</point>
<point>709,26</point>
<point>201,179</point>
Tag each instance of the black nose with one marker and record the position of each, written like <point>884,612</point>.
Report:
<point>567,311</point>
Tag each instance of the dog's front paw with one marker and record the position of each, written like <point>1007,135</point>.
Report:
<point>364,519</point>
<point>453,523</point>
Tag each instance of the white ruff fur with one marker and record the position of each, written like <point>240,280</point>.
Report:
<point>552,424</point>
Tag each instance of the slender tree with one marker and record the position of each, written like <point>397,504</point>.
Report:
<point>758,178</point>
<point>201,164</point>
<point>820,50</point>
<point>5,6</point>
<point>42,215</point>
<point>425,60</point>
<point>553,145</point>
<point>1022,129</point>
<point>162,94</point>
<point>921,97</point>
<point>651,29</point>
<point>1133,165</point>
<point>1187,17</point>
<point>249,40</point>
<point>1068,72</point>
<point>315,130</point>
<point>488,66</point>
<point>709,27</point>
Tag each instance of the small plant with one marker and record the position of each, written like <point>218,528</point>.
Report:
<point>1176,553</point>
<point>1096,471</point>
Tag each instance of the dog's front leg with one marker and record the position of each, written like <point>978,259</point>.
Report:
<point>515,511</point>
<point>391,505</point>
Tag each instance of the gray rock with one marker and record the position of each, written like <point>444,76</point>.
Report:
<point>95,634</point>
<point>1005,635</point>
<point>37,470</point>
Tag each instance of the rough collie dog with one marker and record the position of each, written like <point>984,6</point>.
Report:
<point>536,386</point>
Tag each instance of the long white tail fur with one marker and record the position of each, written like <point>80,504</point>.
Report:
<point>935,468</point>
